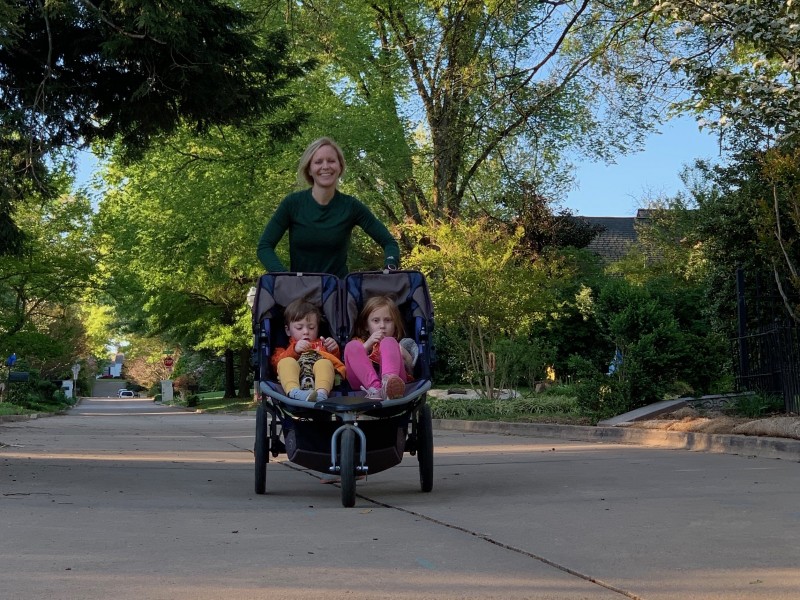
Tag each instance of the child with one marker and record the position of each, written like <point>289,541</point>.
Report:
<point>307,367</point>
<point>376,361</point>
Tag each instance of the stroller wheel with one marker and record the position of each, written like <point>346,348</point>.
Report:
<point>348,469</point>
<point>425,447</point>
<point>261,449</point>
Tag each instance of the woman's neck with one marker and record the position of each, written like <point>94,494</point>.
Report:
<point>323,195</point>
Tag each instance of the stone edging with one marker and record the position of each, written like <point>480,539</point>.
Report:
<point>760,446</point>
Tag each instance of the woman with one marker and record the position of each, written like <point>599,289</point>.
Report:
<point>320,219</point>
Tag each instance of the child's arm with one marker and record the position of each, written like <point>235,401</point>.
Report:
<point>281,353</point>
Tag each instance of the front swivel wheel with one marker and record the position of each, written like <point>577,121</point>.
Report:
<point>347,458</point>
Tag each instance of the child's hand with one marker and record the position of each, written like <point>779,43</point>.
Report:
<point>302,346</point>
<point>330,345</point>
<point>372,340</point>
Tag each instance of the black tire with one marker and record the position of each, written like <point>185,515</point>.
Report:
<point>261,449</point>
<point>425,448</point>
<point>347,458</point>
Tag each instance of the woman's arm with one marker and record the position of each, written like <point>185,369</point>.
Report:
<point>379,233</point>
<point>273,232</point>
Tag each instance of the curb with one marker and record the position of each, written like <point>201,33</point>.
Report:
<point>745,445</point>
<point>16,418</point>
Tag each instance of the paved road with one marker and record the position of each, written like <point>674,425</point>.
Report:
<point>127,499</point>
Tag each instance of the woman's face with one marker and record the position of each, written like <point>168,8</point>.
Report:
<point>381,320</point>
<point>324,167</point>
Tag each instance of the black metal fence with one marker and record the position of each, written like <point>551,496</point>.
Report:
<point>767,362</point>
<point>767,348</point>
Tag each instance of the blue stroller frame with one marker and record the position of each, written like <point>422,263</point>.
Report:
<point>347,434</point>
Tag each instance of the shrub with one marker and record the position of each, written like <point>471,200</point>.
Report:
<point>598,396</point>
<point>522,362</point>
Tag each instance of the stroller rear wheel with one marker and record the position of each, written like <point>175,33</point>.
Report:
<point>348,469</point>
<point>261,449</point>
<point>425,447</point>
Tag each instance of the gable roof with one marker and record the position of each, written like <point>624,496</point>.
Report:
<point>618,235</point>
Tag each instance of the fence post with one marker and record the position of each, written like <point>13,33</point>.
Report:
<point>744,361</point>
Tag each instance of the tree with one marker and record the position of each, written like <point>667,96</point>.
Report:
<point>74,72</point>
<point>41,287</point>
<point>177,238</point>
<point>475,95</point>
<point>483,288</point>
<point>741,63</point>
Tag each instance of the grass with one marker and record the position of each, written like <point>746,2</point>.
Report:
<point>7,408</point>
<point>555,405</point>
<point>216,402</point>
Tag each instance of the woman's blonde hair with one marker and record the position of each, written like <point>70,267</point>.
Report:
<point>303,176</point>
<point>361,328</point>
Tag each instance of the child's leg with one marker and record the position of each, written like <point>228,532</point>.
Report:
<point>392,358</point>
<point>360,371</point>
<point>393,371</point>
<point>324,376</point>
<point>289,377</point>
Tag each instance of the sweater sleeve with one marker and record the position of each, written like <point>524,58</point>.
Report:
<point>378,232</point>
<point>273,232</point>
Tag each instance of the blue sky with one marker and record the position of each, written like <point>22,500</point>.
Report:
<point>611,190</point>
<point>617,190</point>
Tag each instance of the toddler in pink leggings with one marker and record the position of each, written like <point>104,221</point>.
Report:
<point>375,359</point>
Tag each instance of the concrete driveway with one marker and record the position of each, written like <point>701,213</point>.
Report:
<point>127,499</point>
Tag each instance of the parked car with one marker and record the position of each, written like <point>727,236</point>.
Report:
<point>126,394</point>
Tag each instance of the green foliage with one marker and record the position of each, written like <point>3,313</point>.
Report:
<point>598,396</point>
<point>756,406</point>
<point>740,60</point>
<point>480,285</point>
<point>41,288</point>
<point>522,361</point>
<point>552,405</point>
<point>203,63</point>
<point>667,345</point>
<point>36,395</point>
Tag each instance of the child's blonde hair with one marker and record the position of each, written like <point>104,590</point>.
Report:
<point>361,328</point>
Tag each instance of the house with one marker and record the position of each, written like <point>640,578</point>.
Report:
<point>618,235</point>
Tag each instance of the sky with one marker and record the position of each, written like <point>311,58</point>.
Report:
<point>618,190</point>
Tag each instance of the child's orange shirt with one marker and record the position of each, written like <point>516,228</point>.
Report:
<point>317,346</point>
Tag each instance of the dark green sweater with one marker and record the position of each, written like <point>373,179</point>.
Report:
<point>319,236</point>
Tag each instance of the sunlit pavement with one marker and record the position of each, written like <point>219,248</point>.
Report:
<point>124,498</point>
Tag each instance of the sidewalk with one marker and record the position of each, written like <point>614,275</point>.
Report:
<point>746,445</point>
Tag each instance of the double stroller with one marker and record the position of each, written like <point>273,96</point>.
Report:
<point>347,435</point>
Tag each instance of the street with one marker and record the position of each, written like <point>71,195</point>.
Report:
<point>124,498</point>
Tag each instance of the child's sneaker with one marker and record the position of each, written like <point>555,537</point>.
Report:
<point>322,395</point>
<point>393,387</point>
<point>372,393</point>
<point>308,395</point>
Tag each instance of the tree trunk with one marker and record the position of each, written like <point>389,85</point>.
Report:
<point>230,388</point>
<point>244,372</point>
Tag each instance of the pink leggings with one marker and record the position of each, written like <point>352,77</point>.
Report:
<point>361,370</point>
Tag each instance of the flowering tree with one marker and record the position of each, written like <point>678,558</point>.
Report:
<point>741,62</point>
